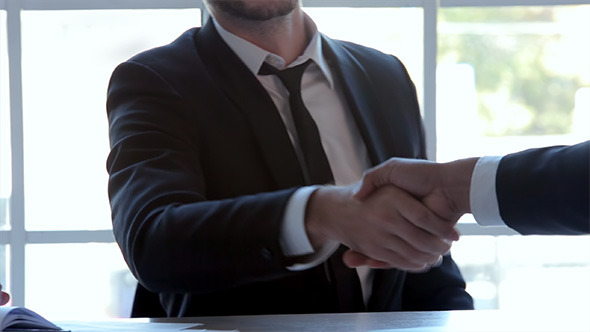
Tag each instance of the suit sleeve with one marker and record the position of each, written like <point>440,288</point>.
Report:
<point>170,234</point>
<point>546,191</point>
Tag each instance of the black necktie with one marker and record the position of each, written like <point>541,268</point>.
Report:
<point>345,280</point>
<point>315,160</point>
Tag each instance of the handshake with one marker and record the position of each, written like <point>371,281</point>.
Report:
<point>402,214</point>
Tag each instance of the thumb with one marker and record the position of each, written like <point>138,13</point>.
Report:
<point>363,189</point>
<point>372,179</point>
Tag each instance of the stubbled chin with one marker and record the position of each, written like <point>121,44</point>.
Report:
<point>263,10</point>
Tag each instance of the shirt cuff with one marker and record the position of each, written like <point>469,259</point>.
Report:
<point>482,197</point>
<point>293,237</point>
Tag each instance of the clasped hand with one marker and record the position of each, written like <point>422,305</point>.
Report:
<point>400,215</point>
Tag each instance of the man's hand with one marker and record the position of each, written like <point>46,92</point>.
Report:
<point>4,297</point>
<point>443,188</point>
<point>390,226</point>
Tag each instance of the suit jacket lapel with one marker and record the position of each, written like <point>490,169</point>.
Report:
<point>360,96</point>
<point>388,120</point>
<point>246,93</point>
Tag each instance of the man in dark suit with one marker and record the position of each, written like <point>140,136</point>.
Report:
<point>214,204</point>
<point>536,191</point>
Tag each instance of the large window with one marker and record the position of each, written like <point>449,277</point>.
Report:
<point>515,77</point>
<point>518,76</point>
<point>492,77</point>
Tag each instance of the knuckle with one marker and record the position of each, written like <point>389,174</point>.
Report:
<point>422,217</point>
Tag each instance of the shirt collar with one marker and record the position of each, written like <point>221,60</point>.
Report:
<point>253,56</point>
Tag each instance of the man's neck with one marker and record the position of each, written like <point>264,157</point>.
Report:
<point>286,36</point>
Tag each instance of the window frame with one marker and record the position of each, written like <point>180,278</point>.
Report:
<point>17,237</point>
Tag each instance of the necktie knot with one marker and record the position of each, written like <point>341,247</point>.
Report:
<point>291,77</point>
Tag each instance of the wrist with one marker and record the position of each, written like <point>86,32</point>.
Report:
<point>313,226</point>
<point>322,206</point>
<point>457,183</point>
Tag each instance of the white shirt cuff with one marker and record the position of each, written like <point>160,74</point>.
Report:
<point>293,238</point>
<point>482,197</point>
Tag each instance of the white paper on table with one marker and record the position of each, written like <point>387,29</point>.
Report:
<point>127,326</point>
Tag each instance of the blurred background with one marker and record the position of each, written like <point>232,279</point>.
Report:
<point>493,77</point>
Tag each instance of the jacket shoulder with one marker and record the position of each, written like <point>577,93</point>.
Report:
<point>178,51</point>
<point>377,64</point>
<point>365,54</point>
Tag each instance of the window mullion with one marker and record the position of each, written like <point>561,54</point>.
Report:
<point>430,55</point>
<point>204,15</point>
<point>17,205</point>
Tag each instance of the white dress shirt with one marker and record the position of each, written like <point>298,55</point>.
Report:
<point>482,197</point>
<point>344,147</point>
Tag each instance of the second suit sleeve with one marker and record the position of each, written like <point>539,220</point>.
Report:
<point>546,190</point>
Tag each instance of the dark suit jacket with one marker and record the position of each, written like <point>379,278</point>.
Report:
<point>546,191</point>
<point>201,168</point>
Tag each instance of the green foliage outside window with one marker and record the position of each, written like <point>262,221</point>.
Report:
<point>510,49</point>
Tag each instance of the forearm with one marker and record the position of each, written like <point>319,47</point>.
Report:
<point>203,246</point>
<point>545,191</point>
